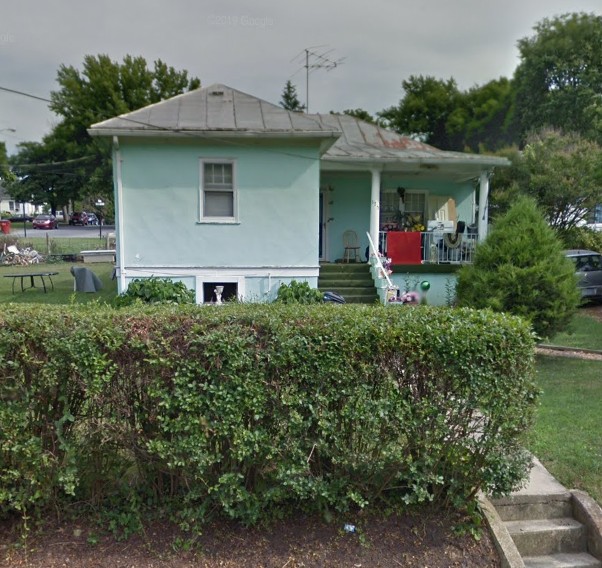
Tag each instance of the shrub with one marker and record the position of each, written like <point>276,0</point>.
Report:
<point>253,411</point>
<point>298,293</point>
<point>521,269</point>
<point>155,291</point>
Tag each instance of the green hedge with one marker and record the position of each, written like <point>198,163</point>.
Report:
<point>251,411</point>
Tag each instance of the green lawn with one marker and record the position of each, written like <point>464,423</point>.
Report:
<point>585,332</point>
<point>567,434</point>
<point>63,284</point>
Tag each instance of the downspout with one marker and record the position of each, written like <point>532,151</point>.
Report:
<point>375,205</point>
<point>483,204</point>
<point>119,212</point>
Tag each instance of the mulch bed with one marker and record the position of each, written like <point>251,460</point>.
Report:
<point>421,540</point>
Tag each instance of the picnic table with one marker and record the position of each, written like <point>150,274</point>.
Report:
<point>32,276</point>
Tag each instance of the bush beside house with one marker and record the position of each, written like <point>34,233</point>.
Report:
<point>521,269</point>
<point>253,411</point>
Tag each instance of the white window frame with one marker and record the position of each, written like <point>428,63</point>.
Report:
<point>211,218</point>
<point>390,207</point>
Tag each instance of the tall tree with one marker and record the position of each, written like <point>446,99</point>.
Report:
<point>424,111</point>
<point>488,122</point>
<point>101,90</point>
<point>290,100</point>
<point>559,77</point>
<point>437,112</point>
<point>5,173</point>
<point>562,172</point>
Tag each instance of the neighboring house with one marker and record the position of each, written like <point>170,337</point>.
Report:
<point>9,207</point>
<point>216,187</point>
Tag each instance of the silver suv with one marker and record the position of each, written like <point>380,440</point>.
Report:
<point>588,266</point>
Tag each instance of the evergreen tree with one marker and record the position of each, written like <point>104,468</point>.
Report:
<point>521,269</point>
<point>290,100</point>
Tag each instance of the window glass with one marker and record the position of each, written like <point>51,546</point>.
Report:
<point>218,190</point>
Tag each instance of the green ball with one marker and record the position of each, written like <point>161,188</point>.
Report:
<point>425,285</point>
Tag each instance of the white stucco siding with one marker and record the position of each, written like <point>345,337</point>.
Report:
<point>277,193</point>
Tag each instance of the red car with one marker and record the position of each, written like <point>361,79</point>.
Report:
<point>78,218</point>
<point>45,222</point>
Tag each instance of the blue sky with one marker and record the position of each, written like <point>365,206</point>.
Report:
<point>256,47</point>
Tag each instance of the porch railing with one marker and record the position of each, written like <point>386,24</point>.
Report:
<point>441,248</point>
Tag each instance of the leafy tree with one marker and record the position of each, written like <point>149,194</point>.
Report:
<point>360,113</point>
<point>290,100</point>
<point>438,113</point>
<point>559,78</point>
<point>487,121</point>
<point>520,268</point>
<point>44,173</point>
<point>102,90</point>
<point>424,111</point>
<point>562,172</point>
<point>5,173</point>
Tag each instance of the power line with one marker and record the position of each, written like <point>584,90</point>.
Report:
<point>25,94</point>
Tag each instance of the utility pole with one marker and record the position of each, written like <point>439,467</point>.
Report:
<point>315,60</point>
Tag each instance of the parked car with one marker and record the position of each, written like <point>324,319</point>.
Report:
<point>78,218</point>
<point>588,267</point>
<point>92,219</point>
<point>20,218</point>
<point>45,222</point>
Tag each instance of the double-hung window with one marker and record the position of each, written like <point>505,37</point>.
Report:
<point>218,193</point>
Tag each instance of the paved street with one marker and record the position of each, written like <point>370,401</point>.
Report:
<point>63,231</point>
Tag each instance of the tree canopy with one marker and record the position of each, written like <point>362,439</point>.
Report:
<point>74,165</point>
<point>559,78</point>
<point>562,172</point>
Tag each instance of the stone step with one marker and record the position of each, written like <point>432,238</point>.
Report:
<point>562,560</point>
<point>338,281</point>
<point>537,507</point>
<point>547,536</point>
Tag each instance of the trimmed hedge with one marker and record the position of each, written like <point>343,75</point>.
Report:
<point>251,411</point>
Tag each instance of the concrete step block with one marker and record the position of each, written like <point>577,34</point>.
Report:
<point>546,507</point>
<point>547,536</point>
<point>563,560</point>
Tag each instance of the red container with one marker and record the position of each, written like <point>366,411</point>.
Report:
<point>5,227</point>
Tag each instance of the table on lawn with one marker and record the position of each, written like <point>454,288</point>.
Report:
<point>32,276</point>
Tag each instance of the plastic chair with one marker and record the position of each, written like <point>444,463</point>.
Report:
<point>351,246</point>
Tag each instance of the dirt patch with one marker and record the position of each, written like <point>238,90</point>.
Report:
<point>424,540</point>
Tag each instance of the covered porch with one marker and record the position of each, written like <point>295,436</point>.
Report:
<point>422,208</point>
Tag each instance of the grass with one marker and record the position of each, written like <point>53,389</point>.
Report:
<point>566,436</point>
<point>63,285</point>
<point>585,332</point>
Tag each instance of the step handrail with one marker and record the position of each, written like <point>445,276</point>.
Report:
<point>379,264</point>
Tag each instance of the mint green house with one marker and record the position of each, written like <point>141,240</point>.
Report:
<point>218,188</point>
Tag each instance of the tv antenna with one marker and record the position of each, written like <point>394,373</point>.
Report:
<point>314,59</point>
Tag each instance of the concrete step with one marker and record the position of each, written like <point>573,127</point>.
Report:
<point>553,506</point>
<point>338,281</point>
<point>547,536</point>
<point>562,560</point>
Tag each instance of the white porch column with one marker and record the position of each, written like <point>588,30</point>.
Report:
<point>375,206</point>
<point>483,205</point>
